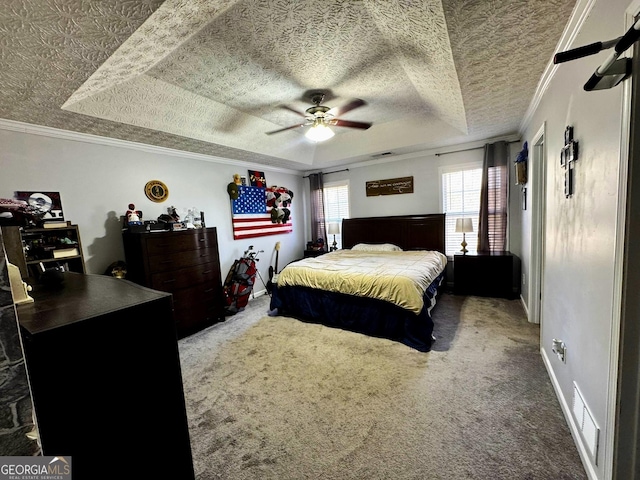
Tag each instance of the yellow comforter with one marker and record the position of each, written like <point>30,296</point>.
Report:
<point>397,277</point>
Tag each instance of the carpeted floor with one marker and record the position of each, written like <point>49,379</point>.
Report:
<point>276,398</point>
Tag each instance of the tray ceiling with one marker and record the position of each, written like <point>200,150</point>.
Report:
<point>210,76</point>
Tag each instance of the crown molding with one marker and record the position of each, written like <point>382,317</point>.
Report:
<point>436,151</point>
<point>579,15</point>
<point>32,129</point>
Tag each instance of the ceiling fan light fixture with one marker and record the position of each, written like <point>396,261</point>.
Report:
<point>319,132</point>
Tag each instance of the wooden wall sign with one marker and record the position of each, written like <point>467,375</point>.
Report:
<point>392,186</point>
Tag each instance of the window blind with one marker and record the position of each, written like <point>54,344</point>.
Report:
<point>461,199</point>
<point>336,204</point>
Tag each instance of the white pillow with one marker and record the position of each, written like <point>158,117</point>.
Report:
<point>376,247</point>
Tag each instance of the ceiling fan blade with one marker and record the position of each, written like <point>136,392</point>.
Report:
<point>350,124</point>
<point>287,128</point>
<point>286,107</point>
<point>353,104</point>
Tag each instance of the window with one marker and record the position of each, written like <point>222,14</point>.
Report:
<point>336,207</point>
<point>497,191</point>
<point>461,199</point>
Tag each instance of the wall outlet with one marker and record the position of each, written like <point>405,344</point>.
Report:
<point>560,349</point>
<point>523,279</point>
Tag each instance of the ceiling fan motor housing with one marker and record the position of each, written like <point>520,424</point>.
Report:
<point>317,110</point>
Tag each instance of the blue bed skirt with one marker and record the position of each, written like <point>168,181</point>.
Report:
<point>368,316</point>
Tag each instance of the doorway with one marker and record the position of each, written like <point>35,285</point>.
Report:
<point>538,208</point>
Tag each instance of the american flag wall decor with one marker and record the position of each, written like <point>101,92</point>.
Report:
<point>251,216</point>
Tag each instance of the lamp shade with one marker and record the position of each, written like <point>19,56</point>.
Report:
<point>464,225</point>
<point>334,229</point>
<point>319,133</point>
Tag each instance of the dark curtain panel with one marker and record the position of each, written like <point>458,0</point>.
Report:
<point>318,227</point>
<point>492,223</point>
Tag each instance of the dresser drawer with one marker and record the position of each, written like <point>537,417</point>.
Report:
<point>195,318</point>
<point>185,277</point>
<point>165,243</point>
<point>206,293</point>
<point>194,307</point>
<point>178,260</point>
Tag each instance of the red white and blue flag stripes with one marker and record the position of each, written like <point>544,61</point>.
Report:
<point>251,216</point>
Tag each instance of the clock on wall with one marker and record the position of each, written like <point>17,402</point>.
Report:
<point>156,191</point>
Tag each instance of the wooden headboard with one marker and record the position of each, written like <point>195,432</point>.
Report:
<point>409,232</point>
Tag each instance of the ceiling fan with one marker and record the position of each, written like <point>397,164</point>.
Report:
<point>320,117</point>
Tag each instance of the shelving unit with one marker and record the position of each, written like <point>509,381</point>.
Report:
<point>28,247</point>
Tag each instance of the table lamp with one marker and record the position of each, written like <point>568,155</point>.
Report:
<point>334,229</point>
<point>464,225</point>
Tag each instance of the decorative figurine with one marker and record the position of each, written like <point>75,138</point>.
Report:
<point>232,188</point>
<point>134,217</point>
<point>173,214</point>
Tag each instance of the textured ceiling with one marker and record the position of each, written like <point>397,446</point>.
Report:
<point>210,76</point>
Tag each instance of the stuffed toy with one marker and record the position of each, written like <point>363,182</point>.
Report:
<point>232,188</point>
<point>279,199</point>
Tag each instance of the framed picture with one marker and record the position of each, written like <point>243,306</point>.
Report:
<point>564,156</point>
<point>257,179</point>
<point>572,151</point>
<point>46,205</point>
<point>568,134</point>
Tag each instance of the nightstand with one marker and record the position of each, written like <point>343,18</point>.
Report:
<point>487,274</point>
<point>314,253</point>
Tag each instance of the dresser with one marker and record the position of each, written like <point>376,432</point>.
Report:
<point>104,369</point>
<point>487,274</point>
<point>185,264</point>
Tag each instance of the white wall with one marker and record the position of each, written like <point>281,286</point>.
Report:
<point>98,181</point>
<point>426,184</point>
<point>426,196</point>
<point>579,255</point>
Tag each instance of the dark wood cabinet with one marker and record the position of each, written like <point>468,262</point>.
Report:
<point>103,364</point>
<point>313,253</point>
<point>487,274</point>
<point>185,264</point>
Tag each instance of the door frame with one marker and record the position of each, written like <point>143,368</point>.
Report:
<point>622,452</point>
<point>538,209</point>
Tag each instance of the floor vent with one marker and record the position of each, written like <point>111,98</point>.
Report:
<point>588,428</point>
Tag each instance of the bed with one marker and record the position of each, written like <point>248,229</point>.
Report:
<point>383,283</point>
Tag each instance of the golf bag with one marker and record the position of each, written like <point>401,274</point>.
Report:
<point>239,282</point>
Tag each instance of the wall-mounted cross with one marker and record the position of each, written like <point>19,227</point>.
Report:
<point>568,157</point>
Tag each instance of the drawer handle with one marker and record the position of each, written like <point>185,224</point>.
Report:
<point>208,290</point>
<point>206,272</point>
<point>201,239</point>
<point>169,281</point>
<point>167,261</point>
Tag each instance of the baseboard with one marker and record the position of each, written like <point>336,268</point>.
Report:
<point>524,305</point>
<point>573,428</point>
<point>258,293</point>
